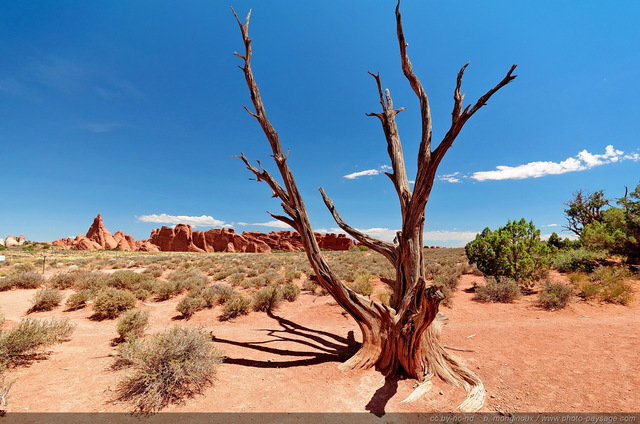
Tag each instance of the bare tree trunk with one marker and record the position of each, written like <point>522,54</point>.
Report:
<point>403,337</point>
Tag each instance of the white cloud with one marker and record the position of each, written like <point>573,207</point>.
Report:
<point>195,221</point>
<point>459,238</point>
<point>450,178</point>
<point>582,161</point>
<point>274,224</point>
<point>368,172</point>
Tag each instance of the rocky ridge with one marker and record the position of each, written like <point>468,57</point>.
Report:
<point>182,238</point>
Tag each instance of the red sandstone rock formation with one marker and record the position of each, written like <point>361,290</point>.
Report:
<point>98,233</point>
<point>182,238</point>
<point>99,238</point>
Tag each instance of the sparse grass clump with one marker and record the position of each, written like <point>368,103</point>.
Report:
<point>554,295</point>
<point>267,299</point>
<point>46,299</point>
<point>500,289</point>
<point>29,336</point>
<point>236,306</point>
<point>170,366</point>
<point>132,324</point>
<point>110,303</point>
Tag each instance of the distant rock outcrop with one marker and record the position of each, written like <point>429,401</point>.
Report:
<point>11,241</point>
<point>99,238</point>
<point>182,238</point>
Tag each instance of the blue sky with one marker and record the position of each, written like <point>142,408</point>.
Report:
<point>134,110</point>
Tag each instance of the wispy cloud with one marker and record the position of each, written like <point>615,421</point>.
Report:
<point>368,172</point>
<point>103,127</point>
<point>195,221</point>
<point>450,178</point>
<point>582,161</point>
<point>273,224</point>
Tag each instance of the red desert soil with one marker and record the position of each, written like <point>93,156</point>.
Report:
<point>580,359</point>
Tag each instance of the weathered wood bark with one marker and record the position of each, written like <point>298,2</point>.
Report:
<point>402,336</point>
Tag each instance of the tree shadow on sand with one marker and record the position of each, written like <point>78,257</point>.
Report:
<point>317,346</point>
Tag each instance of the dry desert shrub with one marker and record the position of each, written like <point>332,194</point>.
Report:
<point>111,303</point>
<point>188,279</point>
<point>267,299</point>
<point>45,299</point>
<point>30,336</point>
<point>63,280</point>
<point>190,304</point>
<point>155,270</point>
<point>498,289</point>
<point>22,278</point>
<point>236,306</point>
<point>169,367</point>
<point>290,292</point>
<point>132,324</point>
<point>362,284</point>
<point>78,300</point>
<point>554,295</point>
<point>605,283</point>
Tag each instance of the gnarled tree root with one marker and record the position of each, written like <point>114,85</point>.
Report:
<point>438,362</point>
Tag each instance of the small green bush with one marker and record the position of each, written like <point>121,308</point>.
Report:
<point>78,300</point>
<point>513,251</point>
<point>267,299</point>
<point>238,305</point>
<point>170,366</point>
<point>110,303</point>
<point>290,292</point>
<point>132,324</point>
<point>500,289</point>
<point>46,299</point>
<point>31,335</point>
<point>554,295</point>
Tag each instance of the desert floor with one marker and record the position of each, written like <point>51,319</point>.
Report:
<point>580,359</point>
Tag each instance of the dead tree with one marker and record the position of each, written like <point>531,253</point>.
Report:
<point>402,337</point>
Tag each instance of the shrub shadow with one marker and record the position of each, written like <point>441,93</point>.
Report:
<point>316,346</point>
